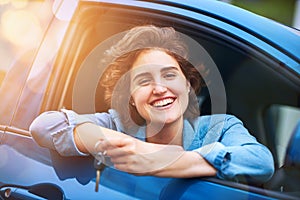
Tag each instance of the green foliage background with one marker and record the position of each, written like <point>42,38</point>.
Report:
<point>278,10</point>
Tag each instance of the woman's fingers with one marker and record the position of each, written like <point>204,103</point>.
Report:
<point>121,152</point>
<point>116,147</point>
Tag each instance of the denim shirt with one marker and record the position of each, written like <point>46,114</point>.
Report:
<point>221,139</point>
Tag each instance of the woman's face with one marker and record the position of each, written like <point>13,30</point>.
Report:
<point>159,89</point>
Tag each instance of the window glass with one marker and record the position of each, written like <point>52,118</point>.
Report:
<point>30,35</point>
<point>21,29</point>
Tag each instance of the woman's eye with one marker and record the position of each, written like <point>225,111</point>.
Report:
<point>144,82</point>
<point>169,75</point>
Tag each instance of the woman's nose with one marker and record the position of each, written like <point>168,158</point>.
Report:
<point>159,88</point>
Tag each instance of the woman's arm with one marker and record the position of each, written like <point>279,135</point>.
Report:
<point>87,135</point>
<point>55,129</point>
<point>189,164</point>
<point>141,158</point>
<point>236,154</point>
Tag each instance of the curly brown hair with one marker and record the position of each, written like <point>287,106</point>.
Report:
<point>116,80</point>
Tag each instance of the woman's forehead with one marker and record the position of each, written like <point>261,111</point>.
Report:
<point>152,69</point>
<point>154,57</point>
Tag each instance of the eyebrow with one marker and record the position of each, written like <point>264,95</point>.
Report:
<point>169,68</point>
<point>162,70</point>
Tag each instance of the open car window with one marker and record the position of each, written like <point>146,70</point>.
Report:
<point>233,56</point>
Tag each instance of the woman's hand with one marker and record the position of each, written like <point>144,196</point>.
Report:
<point>142,158</point>
<point>138,157</point>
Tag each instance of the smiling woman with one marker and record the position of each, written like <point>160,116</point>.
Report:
<point>152,127</point>
<point>159,94</point>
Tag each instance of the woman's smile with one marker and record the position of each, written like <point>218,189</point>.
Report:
<point>163,103</point>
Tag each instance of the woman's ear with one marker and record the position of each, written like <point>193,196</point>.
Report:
<point>131,101</point>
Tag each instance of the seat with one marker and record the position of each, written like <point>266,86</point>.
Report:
<point>287,178</point>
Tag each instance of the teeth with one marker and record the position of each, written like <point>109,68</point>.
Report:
<point>163,102</point>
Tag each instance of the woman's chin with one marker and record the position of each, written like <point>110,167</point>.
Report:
<point>165,119</point>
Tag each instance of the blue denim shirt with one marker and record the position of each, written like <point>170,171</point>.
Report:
<point>221,139</point>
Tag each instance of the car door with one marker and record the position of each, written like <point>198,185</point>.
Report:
<point>69,78</point>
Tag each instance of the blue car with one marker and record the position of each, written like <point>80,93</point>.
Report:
<point>256,59</point>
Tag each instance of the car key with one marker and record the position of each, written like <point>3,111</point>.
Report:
<point>99,166</point>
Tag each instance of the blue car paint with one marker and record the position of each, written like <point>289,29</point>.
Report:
<point>78,182</point>
<point>19,169</point>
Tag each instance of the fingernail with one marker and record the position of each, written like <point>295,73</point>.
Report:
<point>97,144</point>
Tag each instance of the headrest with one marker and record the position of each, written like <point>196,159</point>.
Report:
<point>292,158</point>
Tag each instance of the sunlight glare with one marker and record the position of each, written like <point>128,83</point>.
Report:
<point>19,4</point>
<point>21,27</point>
<point>2,2</point>
<point>64,10</point>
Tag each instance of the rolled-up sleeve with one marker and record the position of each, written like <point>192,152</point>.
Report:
<point>216,154</point>
<point>54,130</point>
<point>237,155</point>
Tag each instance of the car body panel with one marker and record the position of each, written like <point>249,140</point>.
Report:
<point>114,184</point>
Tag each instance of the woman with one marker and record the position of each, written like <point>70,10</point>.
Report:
<point>154,127</point>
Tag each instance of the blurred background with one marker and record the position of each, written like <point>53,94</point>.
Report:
<point>283,11</point>
<point>23,24</point>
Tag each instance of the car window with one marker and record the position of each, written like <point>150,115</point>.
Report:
<point>237,61</point>
<point>233,57</point>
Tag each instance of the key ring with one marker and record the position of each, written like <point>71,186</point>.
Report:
<point>100,156</point>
